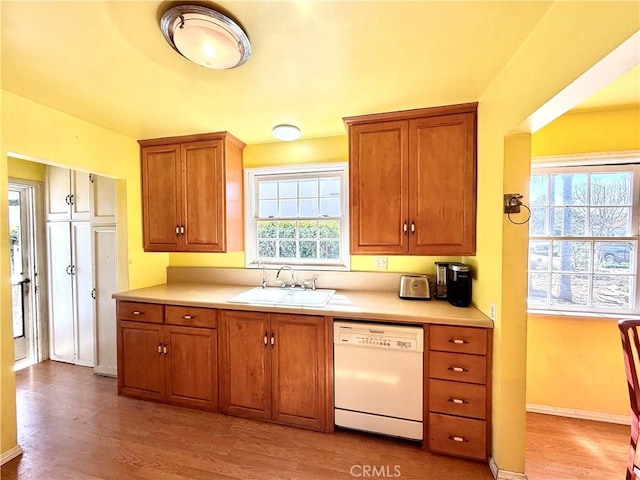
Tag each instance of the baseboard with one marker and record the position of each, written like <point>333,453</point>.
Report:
<point>583,414</point>
<point>10,454</point>
<point>504,474</point>
<point>105,371</point>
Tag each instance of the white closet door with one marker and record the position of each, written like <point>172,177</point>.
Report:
<point>81,192</point>
<point>105,271</point>
<point>103,198</point>
<point>83,284</point>
<point>61,318</point>
<point>57,194</point>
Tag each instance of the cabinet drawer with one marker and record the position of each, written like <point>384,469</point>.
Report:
<point>141,312</point>
<point>458,367</point>
<point>457,398</point>
<point>458,436</point>
<point>458,339</point>
<point>191,316</point>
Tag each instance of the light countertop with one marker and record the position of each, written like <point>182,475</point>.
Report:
<point>345,304</point>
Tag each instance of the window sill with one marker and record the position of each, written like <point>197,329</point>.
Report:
<point>570,314</point>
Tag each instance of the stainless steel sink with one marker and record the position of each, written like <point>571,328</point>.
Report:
<point>286,297</point>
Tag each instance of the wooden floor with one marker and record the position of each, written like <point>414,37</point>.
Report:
<point>72,425</point>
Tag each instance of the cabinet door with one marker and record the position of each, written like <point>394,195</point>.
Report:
<point>61,323</point>
<point>82,277</point>
<point>58,191</point>
<point>378,179</point>
<point>103,200</point>
<point>204,196</point>
<point>161,198</point>
<point>442,189</point>
<point>80,196</point>
<point>140,362</point>
<point>245,364</point>
<point>299,366</point>
<point>191,367</point>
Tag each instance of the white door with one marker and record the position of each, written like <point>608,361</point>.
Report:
<point>105,270</point>
<point>103,200</point>
<point>80,195</point>
<point>61,317</point>
<point>82,277</point>
<point>58,194</point>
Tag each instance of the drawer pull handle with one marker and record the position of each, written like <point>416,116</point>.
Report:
<point>458,369</point>
<point>458,341</point>
<point>136,312</point>
<point>159,348</point>
<point>188,317</point>
<point>455,438</point>
<point>458,401</point>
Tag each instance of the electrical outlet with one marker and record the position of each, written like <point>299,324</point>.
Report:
<point>492,311</point>
<point>380,263</point>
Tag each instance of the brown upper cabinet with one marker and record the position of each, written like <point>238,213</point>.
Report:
<point>192,193</point>
<point>412,181</point>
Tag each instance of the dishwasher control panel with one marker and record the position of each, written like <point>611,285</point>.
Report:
<point>392,337</point>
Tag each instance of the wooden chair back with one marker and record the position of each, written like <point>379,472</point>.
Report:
<point>629,332</point>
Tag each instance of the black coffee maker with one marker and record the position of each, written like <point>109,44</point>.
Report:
<point>459,284</point>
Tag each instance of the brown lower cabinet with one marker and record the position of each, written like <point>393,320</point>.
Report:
<point>159,358</point>
<point>273,367</point>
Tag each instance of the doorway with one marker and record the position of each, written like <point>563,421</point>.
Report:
<point>23,253</point>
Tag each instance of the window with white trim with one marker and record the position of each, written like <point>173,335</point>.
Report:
<point>298,215</point>
<point>583,238</point>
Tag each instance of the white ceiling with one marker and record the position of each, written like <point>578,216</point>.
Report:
<point>313,62</point>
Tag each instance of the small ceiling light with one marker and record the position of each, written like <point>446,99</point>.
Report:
<point>286,133</point>
<point>205,37</point>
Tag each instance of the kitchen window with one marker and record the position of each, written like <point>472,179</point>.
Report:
<point>583,238</point>
<point>298,215</point>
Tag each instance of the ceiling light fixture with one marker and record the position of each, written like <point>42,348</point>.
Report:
<point>286,133</point>
<point>205,37</point>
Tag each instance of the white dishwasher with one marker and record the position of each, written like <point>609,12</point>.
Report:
<point>378,378</point>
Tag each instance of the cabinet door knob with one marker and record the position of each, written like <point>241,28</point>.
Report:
<point>164,349</point>
<point>458,341</point>
<point>413,228</point>
<point>273,340</point>
<point>177,229</point>
<point>160,348</point>
<point>266,341</point>
<point>456,438</point>
<point>182,230</point>
<point>404,227</point>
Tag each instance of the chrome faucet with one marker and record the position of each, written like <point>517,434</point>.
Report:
<point>282,283</point>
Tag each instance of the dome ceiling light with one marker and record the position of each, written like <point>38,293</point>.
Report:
<point>286,133</point>
<point>205,37</point>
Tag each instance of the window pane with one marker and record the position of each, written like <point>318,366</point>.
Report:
<point>329,228</point>
<point>538,223</point>
<point>610,221</point>
<point>308,229</point>
<point>329,187</point>
<point>287,249</point>
<point>611,188</point>
<point>308,188</point>
<point>612,292</point>
<point>308,249</point>
<point>569,189</point>
<point>571,256</point>
<point>309,207</point>
<point>539,255</point>
<point>286,229</point>
<point>288,208</point>
<point>568,221</point>
<point>538,190</point>
<point>330,207</point>
<point>288,188</point>
<point>267,248</point>
<point>267,190</point>
<point>267,229</point>
<point>267,208</point>
<point>615,257</point>
<point>329,249</point>
<point>570,290</point>
<point>539,288</point>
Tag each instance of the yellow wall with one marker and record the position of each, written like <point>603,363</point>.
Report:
<point>26,170</point>
<point>573,362</point>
